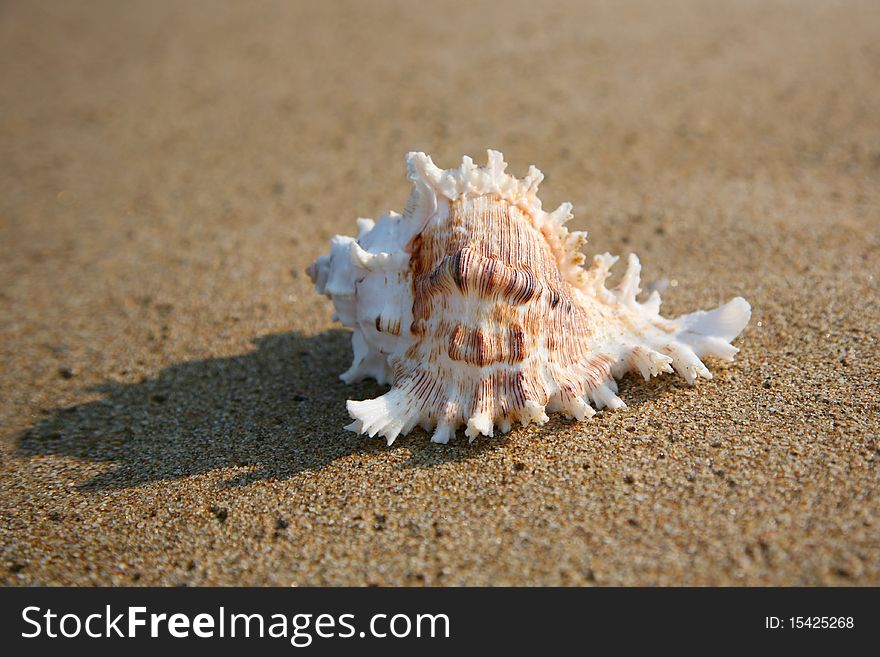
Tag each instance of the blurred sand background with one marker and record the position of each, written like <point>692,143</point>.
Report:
<point>169,401</point>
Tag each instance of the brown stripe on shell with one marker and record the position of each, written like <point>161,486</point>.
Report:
<point>384,326</point>
<point>487,277</point>
<point>597,370</point>
<point>484,399</point>
<point>481,348</point>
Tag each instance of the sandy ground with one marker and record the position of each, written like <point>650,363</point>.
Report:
<point>169,400</point>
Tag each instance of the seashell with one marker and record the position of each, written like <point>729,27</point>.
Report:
<point>475,306</point>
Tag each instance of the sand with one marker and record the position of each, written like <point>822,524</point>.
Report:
<point>169,401</point>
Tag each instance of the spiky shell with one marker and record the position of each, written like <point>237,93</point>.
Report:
<point>475,305</point>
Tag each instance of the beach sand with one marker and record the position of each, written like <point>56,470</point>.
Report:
<point>170,405</point>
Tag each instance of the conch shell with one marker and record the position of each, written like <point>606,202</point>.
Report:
<point>474,305</point>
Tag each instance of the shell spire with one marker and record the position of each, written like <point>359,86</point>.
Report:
<point>475,305</point>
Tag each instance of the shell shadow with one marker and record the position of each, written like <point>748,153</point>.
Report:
<point>277,410</point>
